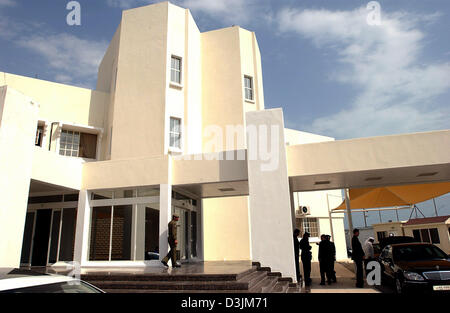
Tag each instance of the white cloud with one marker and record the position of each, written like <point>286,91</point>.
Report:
<point>7,3</point>
<point>224,11</point>
<point>396,91</point>
<point>72,58</point>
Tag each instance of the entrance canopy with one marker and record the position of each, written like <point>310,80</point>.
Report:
<point>389,196</point>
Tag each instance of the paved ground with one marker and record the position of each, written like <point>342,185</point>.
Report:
<point>345,281</point>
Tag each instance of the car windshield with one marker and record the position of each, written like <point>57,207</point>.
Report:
<point>418,252</point>
<point>65,287</point>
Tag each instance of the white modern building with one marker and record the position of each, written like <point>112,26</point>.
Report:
<point>177,123</point>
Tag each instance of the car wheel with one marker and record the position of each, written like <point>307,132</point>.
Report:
<point>398,286</point>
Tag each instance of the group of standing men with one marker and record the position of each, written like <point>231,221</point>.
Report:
<point>327,257</point>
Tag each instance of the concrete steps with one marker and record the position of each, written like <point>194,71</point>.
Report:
<point>258,279</point>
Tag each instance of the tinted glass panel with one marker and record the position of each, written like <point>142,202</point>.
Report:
<point>434,234</point>
<point>100,233</point>
<point>121,236</point>
<point>68,235</point>
<point>52,258</point>
<point>27,237</point>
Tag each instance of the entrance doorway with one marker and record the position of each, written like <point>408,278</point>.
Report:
<point>186,234</point>
<point>49,236</point>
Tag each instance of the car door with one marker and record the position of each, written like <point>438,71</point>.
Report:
<point>387,262</point>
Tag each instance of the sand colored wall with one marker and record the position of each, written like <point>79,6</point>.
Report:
<point>226,229</point>
<point>18,122</point>
<point>60,102</point>
<point>125,173</point>
<point>443,231</point>
<point>139,104</point>
<point>222,91</point>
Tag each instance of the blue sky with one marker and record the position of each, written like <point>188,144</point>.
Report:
<point>332,73</point>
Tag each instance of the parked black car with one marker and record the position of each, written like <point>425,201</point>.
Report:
<point>415,267</point>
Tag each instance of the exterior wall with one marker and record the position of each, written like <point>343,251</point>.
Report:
<point>107,82</point>
<point>297,137</point>
<point>443,231</point>
<point>193,90</point>
<point>62,103</point>
<point>227,55</point>
<point>226,229</point>
<point>391,228</point>
<point>18,122</point>
<point>139,103</point>
<point>270,207</point>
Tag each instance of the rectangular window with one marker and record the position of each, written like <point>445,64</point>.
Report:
<point>175,70</point>
<point>175,133</point>
<point>39,136</point>
<point>434,235</point>
<point>69,144</point>
<point>76,144</point>
<point>248,87</point>
<point>381,235</point>
<point>425,235</point>
<point>308,224</point>
<point>416,235</point>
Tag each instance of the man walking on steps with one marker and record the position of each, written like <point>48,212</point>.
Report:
<point>172,243</point>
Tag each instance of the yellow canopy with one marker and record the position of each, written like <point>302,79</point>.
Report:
<point>380,197</point>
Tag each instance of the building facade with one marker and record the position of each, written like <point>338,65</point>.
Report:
<point>177,123</point>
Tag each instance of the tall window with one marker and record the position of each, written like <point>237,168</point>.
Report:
<point>308,224</point>
<point>175,133</point>
<point>427,235</point>
<point>69,144</point>
<point>39,136</point>
<point>76,144</point>
<point>175,70</point>
<point>248,87</point>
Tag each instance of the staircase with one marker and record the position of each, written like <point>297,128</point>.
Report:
<point>258,279</point>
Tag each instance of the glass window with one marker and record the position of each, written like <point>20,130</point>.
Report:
<point>248,86</point>
<point>308,224</point>
<point>39,136</point>
<point>416,235</point>
<point>121,235</point>
<point>54,237</point>
<point>381,235</point>
<point>434,235</point>
<point>175,70</point>
<point>67,246</point>
<point>175,133</point>
<point>425,235</point>
<point>100,234</point>
<point>69,144</point>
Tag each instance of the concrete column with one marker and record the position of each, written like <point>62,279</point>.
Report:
<point>81,254</point>
<point>138,232</point>
<point>165,215</point>
<point>18,123</point>
<point>349,215</point>
<point>270,205</point>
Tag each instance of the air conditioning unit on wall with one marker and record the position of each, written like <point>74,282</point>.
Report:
<point>303,210</point>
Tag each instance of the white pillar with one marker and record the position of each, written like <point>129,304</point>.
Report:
<point>138,232</point>
<point>81,254</point>
<point>165,215</point>
<point>18,123</point>
<point>349,215</point>
<point>270,207</point>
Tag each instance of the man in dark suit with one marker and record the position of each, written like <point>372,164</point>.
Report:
<point>325,255</point>
<point>297,254</point>
<point>358,257</point>
<point>306,258</point>
<point>332,259</point>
